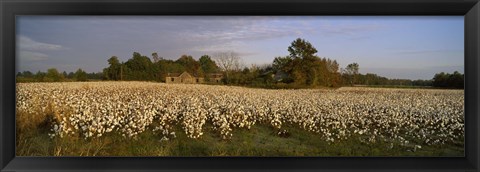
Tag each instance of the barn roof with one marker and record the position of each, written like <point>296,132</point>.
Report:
<point>185,74</point>
<point>211,75</point>
<point>173,74</point>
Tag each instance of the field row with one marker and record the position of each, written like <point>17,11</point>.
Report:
<point>407,116</point>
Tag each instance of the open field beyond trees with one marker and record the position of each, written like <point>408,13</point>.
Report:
<point>157,119</point>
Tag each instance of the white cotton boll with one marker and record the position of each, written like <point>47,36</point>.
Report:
<point>134,107</point>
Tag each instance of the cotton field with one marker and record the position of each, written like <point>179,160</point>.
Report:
<point>90,110</point>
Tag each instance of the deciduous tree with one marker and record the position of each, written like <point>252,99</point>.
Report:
<point>352,72</point>
<point>80,75</point>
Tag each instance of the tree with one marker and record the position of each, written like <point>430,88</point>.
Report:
<point>163,67</point>
<point>191,65</point>
<point>454,80</point>
<point>282,64</point>
<point>282,68</point>
<point>440,80</point>
<point>138,68</point>
<point>94,76</point>
<point>155,57</point>
<point>53,75</point>
<point>335,78</point>
<point>65,75</point>
<point>207,64</point>
<point>114,71</point>
<point>301,49</point>
<point>228,62</point>
<point>305,64</point>
<point>26,74</point>
<point>352,71</point>
<point>71,75</point>
<point>40,76</point>
<point>80,75</point>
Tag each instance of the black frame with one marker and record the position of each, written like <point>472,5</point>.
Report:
<point>470,9</point>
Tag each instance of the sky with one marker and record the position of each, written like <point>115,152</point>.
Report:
<point>401,47</point>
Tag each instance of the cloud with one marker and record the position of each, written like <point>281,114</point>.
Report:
<point>218,47</point>
<point>247,53</point>
<point>261,28</point>
<point>25,43</point>
<point>355,31</point>
<point>425,51</point>
<point>29,56</point>
<point>238,33</point>
<point>245,29</point>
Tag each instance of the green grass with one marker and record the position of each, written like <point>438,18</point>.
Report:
<point>260,140</point>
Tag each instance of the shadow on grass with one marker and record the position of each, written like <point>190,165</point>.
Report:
<point>260,140</point>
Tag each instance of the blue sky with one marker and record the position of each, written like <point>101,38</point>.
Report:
<point>410,47</point>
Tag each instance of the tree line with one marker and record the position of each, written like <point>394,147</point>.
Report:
<point>141,68</point>
<point>53,75</point>
<point>454,80</point>
<point>440,80</point>
<point>302,68</point>
<point>374,79</point>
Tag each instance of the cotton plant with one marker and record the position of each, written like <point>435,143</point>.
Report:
<point>406,116</point>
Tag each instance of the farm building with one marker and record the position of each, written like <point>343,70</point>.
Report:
<point>186,78</point>
<point>215,77</point>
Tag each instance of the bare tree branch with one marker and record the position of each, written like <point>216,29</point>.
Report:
<point>228,61</point>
